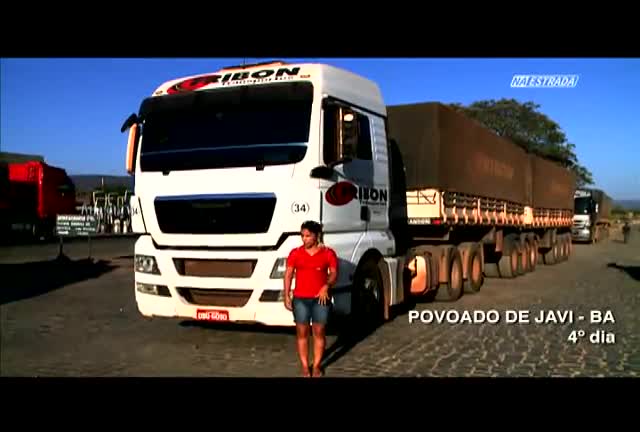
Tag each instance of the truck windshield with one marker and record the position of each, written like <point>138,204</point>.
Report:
<point>582,205</point>
<point>244,126</point>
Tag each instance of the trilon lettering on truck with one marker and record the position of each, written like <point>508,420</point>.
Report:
<point>416,200</point>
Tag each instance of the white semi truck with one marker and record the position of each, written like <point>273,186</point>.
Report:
<point>229,165</point>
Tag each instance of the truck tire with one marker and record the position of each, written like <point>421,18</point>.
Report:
<point>551,256</point>
<point>368,295</point>
<point>561,249</point>
<point>533,255</point>
<point>565,247</point>
<point>525,257</point>
<point>509,264</point>
<point>475,276</point>
<point>452,290</point>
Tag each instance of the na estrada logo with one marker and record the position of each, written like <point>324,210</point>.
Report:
<point>544,81</point>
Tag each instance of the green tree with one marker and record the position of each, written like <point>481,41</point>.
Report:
<point>526,126</point>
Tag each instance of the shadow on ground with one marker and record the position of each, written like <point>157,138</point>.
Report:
<point>349,335</point>
<point>31,279</point>
<point>633,271</point>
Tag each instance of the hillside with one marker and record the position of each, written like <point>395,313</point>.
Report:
<point>627,204</point>
<point>90,182</point>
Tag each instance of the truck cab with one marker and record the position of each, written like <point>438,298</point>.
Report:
<point>591,215</point>
<point>229,165</point>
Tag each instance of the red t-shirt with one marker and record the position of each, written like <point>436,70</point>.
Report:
<point>312,271</point>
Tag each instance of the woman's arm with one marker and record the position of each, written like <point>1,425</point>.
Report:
<point>288,279</point>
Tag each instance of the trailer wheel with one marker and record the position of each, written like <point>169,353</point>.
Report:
<point>368,295</point>
<point>564,248</point>
<point>567,246</point>
<point>509,263</point>
<point>551,256</point>
<point>525,257</point>
<point>475,276</point>
<point>533,255</point>
<point>452,290</point>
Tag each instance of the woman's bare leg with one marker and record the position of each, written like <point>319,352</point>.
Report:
<point>319,342</point>
<point>302,339</point>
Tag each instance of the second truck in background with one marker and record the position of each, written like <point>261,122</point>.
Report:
<point>32,194</point>
<point>592,215</point>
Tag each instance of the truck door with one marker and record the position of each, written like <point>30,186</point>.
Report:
<point>347,151</point>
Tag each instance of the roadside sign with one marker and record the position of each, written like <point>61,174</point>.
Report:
<point>76,225</point>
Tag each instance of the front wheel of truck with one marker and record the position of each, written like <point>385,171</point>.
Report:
<point>368,296</point>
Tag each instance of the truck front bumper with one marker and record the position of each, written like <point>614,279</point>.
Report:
<point>581,234</point>
<point>168,294</point>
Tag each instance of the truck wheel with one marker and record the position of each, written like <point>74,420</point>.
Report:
<point>475,277</point>
<point>525,258</point>
<point>566,240</point>
<point>551,256</point>
<point>561,248</point>
<point>452,290</point>
<point>533,255</point>
<point>368,295</point>
<point>509,263</point>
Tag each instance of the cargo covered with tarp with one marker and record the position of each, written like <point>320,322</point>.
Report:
<point>553,185</point>
<point>445,150</point>
<point>604,204</point>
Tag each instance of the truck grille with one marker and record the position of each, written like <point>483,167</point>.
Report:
<point>215,267</point>
<point>216,297</point>
<point>215,214</point>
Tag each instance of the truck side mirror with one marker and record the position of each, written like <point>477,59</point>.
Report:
<point>132,148</point>
<point>130,121</point>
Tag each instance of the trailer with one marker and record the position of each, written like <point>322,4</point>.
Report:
<point>592,215</point>
<point>418,201</point>
<point>473,193</point>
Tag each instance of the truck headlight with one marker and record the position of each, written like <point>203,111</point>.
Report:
<point>279,267</point>
<point>146,264</point>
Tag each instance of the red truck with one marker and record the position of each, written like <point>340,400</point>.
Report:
<point>32,194</point>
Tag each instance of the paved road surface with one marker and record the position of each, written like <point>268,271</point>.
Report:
<point>80,319</point>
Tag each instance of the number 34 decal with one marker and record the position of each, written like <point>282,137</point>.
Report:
<point>299,207</point>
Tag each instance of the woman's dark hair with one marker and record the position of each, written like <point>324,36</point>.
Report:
<point>312,226</point>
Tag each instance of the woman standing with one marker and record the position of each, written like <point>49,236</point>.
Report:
<point>315,268</point>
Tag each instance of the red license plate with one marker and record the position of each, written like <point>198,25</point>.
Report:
<point>212,315</point>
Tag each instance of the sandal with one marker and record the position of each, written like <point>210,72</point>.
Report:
<point>317,372</point>
<point>306,373</point>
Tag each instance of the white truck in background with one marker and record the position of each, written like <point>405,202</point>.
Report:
<point>592,215</point>
<point>229,165</point>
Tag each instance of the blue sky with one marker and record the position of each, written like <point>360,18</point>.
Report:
<point>70,110</point>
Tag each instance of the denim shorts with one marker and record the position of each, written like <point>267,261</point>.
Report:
<point>306,311</point>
